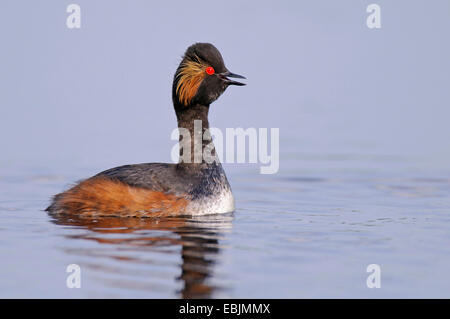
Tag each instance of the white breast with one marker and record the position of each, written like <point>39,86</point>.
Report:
<point>220,203</point>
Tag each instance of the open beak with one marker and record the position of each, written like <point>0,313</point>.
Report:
<point>226,75</point>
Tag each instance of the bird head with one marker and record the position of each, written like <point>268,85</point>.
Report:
<point>201,76</point>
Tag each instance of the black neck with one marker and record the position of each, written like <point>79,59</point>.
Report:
<point>194,119</point>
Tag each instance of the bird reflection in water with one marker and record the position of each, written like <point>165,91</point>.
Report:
<point>198,238</point>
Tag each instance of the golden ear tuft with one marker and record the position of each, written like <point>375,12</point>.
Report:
<point>189,78</point>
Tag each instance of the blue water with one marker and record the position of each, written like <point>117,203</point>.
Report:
<point>305,232</point>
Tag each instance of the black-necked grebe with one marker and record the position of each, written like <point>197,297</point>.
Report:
<point>191,187</point>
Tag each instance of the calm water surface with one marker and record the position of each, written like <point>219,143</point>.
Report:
<point>309,231</point>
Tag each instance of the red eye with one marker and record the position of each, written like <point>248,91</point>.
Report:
<point>210,70</point>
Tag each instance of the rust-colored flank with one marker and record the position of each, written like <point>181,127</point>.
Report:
<point>106,197</point>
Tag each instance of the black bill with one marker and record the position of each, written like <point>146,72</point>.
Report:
<point>226,75</point>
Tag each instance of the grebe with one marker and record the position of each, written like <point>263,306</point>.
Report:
<point>190,187</point>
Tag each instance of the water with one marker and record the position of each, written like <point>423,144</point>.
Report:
<point>301,233</point>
